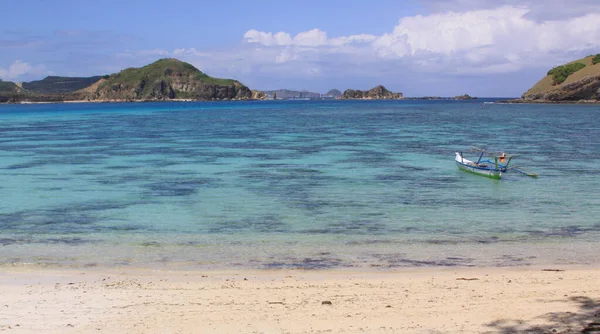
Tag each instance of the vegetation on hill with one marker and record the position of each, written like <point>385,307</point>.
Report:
<point>11,92</point>
<point>7,86</point>
<point>8,91</point>
<point>560,73</point>
<point>166,79</point>
<point>163,68</point>
<point>59,85</point>
<point>575,81</point>
<point>377,93</point>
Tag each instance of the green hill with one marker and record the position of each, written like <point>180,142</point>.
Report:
<point>8,91</point>
<point>13,93</point>
<point>574,81</point>
<point>8,86</point>
<point>59,85</point>
<point>163,80</point>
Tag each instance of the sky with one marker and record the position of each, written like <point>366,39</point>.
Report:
<point>486,48</point>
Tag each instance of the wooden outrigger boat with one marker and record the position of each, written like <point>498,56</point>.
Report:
<point>493,167</point>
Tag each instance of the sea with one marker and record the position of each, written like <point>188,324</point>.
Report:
<point>343,185</point>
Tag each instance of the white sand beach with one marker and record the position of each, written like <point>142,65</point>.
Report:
<point>437,300</point>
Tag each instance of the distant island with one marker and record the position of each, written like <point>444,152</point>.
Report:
<point>164,80</point>
<point>334,93</point>
<point>377,93</point>
<point>574,82</point>
<point>288,94</point>
<point>170,79</point>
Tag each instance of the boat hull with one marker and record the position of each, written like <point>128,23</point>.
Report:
<point>471,167</point>
<point>491,173</point>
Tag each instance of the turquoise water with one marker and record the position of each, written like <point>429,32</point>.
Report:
<point>298,184</point>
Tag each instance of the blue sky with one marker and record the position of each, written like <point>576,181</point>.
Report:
<point>418,47</point>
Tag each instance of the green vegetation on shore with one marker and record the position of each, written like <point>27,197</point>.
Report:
<point>578,80</point>
<point>561,73</point>
<point>7,86</point>
<point>163,68</point>
<point>165,79</point>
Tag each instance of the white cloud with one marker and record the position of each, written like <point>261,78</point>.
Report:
<point>268,39</point>
<point>285,56</point>
<point>310,38</point>
<point>20,68</point>
<point>313,37</point>
<point>353,39</point>
<point>503,39</point>
<point>540,10</point>
<point>451,32</point>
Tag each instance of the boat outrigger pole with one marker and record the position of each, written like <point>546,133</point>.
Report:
<point>480,156</point>
<point>523,171</point>
<point>509,159</point>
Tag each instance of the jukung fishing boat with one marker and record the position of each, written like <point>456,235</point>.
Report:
<point>493,167</point>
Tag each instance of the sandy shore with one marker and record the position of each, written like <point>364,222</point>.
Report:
<point>463,300</point>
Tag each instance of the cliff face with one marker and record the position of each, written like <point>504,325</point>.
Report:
<point>587,88</point>
<point>165,79</point>
<point>258,95</point>
<point>575,81</point>
<point>377,93</point>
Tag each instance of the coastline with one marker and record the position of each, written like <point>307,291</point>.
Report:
<point>243,100</point>
<point>522,101</point>
<point>121,101</point>
<point>412,300</point>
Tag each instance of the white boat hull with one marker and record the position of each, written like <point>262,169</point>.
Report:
<point>479,169</point>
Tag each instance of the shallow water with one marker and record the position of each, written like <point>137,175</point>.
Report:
<point>298,184</point>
